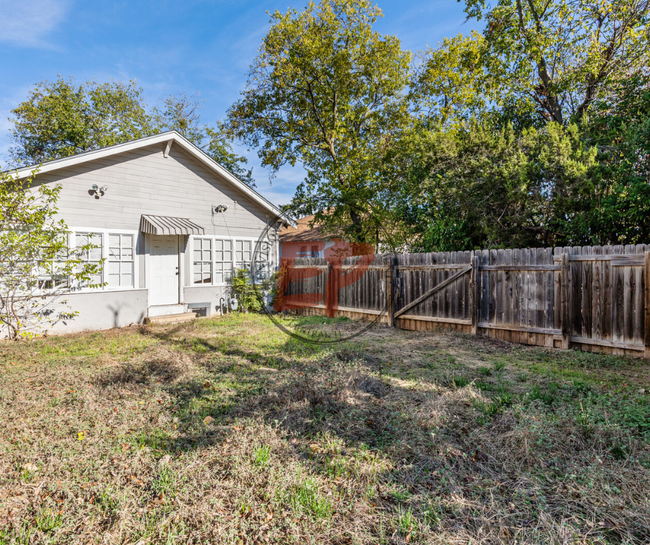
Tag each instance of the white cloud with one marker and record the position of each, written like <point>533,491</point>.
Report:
<point>28,22</point>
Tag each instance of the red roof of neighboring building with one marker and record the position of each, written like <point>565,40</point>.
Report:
<point>303,233</point>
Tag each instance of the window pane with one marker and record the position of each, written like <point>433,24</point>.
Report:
<point>96,253</point>
<point>120,259</point>
<point>91,256</point>
<point>202,273</point>
<point>96,279</point>
<point>197,255</point>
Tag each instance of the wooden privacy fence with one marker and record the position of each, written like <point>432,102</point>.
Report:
<point>595,298</point>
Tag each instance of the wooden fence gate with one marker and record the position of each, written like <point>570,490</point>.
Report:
<point>594,298</point>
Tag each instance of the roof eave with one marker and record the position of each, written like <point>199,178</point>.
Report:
<point>198,153</point>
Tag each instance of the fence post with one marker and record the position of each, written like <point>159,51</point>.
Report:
<point>564,302</point>
<point>646,334</point>
<point>389,292</point>
<point>475,294</point>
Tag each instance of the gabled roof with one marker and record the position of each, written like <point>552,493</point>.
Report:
<point>170,137</point>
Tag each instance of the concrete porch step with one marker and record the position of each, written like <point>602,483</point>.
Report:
<point>171,318</point>
<point>165,310</point>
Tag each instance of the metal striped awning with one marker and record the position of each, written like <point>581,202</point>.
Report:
<point>165,225</point>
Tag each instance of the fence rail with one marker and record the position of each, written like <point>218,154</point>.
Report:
<point>592,297</point>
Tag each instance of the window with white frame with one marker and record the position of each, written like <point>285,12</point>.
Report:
<point>93,256</point>
<point>116,249</point>
<point>243,253</point>
<point>214,258</point>
<point>222,260</point>
<point>203,261</point>
<point>262,266</point>
<point>120,260</point>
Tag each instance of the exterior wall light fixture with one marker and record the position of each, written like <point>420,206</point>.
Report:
<point>99,191</point>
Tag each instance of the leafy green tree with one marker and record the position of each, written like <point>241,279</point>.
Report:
<point>618,210</point>
<point>559,56</point>
<point>36,266</point>
<point>219,147</point>
<point>511,124</point>
<point>476,186</point>
<point>327,91</point>
<point>62,118</point>
<point>182,114</point>
<point>450,83</point>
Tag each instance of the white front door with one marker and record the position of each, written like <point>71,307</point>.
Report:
<point>164,274</point>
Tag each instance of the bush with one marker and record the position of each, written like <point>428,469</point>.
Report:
<point>250,297</point>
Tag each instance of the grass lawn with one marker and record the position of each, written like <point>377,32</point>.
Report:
<point>226,430</point>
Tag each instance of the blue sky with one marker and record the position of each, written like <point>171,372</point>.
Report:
<point>191,46</point>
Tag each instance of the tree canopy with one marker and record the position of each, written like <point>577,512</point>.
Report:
<point>532,132</point>
<point>62,118</point>
<point>326,90</point>
<point>558,56</point>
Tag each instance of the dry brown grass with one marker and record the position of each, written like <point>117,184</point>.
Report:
<point>228,431</point>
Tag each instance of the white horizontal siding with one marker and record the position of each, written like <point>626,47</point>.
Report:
<point>144,182</point>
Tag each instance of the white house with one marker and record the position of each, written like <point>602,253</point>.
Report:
<point>169,222</point>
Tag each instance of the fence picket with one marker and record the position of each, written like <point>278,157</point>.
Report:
<point>518,293</point>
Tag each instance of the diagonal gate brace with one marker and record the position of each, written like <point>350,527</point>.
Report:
<point>433,290</point>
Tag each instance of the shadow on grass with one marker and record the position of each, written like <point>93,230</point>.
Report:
<point>451,469</point>
<point>151,371</point>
